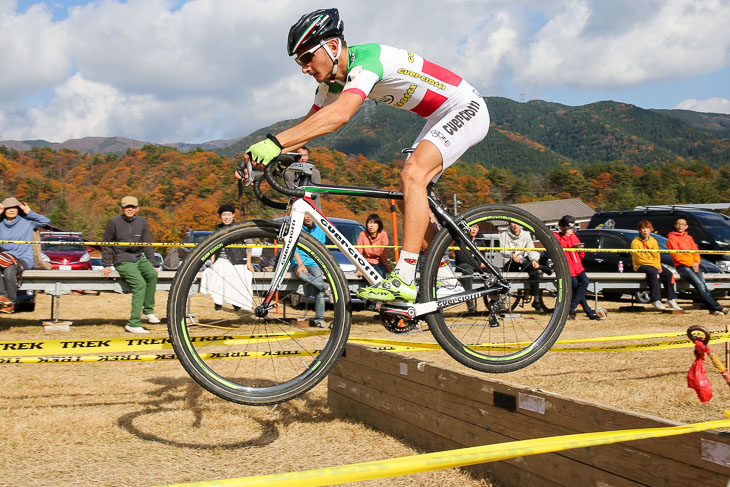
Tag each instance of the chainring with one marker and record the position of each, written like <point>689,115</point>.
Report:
<point>397,325</point>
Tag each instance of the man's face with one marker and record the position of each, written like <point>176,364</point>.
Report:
<point>130,211</point>
<point>227,217</point>
<point>308,220</point>
<point>515,228</point>
<point>681,225</point>
<point>473,230</point>
<point>317,64</point>
<point>305,155</point>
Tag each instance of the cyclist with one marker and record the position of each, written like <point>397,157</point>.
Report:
<point>456,119</point>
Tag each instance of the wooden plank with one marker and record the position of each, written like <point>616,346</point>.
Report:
<point>430,414</point>
<point>415,427</point>
<point>518,477</point>
<point>573,414</point>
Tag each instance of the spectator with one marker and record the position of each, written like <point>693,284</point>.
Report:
<point>291,177</point>
<point>688,265</point>
<point>650,263</point>
<point>524,260</point>
<point>463,265</point>
<point>18,223</point>
<point>308,271</point>
<point>569,240</point>
<point>374,235</point>
<point>229,278</point>
<point>134,264</point>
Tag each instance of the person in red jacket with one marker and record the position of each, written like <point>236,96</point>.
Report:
<point>688,265</point>
<point>569,240</point>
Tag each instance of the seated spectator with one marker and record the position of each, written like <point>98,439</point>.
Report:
<point>463,265</point>
<point>650,263</point>
<point>229,279</point>
<point>523,260</point>
<point>133,263</point>
<point>291,178</point>
<point>688,265</point>
<point>308,271</point>
<point>17,223</point>
<point>569,240</point>
<point>374,235</point>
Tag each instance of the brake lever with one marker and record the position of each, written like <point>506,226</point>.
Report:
<point>240,171</point>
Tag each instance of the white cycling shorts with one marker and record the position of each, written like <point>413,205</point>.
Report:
<point>460,129</point>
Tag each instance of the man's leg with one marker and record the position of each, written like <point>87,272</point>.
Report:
<point>698,282</point>
<point>666,277</point>
<point>423,165</point>
<point>131,274</point>
<point>317,281</point>
<point>652,279</point>
<point>150,276</point>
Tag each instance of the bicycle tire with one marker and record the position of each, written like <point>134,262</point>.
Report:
<point>495,340</point>
<point>232,353</point>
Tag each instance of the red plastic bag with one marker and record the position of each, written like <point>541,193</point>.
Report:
<point>697,375</point>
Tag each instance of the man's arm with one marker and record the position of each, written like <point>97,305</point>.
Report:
<point>320,122</point>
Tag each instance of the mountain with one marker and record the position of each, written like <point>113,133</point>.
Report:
<point>538,134</point>
<point>112,145</point>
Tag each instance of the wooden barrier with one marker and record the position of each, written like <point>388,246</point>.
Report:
<point>436,408</point>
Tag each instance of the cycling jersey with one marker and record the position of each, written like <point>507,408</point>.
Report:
<point>456,113</point>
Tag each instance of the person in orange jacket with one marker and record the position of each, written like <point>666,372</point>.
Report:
<point>688,265</point>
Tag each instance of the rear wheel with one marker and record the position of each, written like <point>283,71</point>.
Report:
<point>233,353</point>
<point>490,337</point>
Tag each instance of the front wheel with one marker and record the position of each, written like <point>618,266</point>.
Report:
<point>484,333</point>
<point>233,353</point>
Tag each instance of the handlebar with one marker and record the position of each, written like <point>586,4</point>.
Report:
<point>271,172</point>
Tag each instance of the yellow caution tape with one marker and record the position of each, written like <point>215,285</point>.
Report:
<point>36,348</point>
<point>462,457</point>
<point>55,347</point>
<point>257,246</point>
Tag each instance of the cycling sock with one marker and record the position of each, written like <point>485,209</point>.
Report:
<point>445,273</point>
<point>406,266</point>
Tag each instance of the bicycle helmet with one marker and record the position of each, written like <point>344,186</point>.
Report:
<point>314,27</point>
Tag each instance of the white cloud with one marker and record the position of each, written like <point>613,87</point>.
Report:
<point>710,105</point>
<point>164,71</point>
<point>32,51</point>
<point>590,45</point>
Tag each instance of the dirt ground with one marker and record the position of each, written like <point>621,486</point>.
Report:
<point>142,424</point>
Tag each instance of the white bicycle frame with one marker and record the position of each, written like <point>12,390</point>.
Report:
<point>300,208</point>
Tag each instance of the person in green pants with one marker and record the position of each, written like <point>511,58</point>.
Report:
<point>134,264</point>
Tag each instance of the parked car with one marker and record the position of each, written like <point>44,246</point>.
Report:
<point>70,255</point>
<point>621,239</point>
<point>710,230</point>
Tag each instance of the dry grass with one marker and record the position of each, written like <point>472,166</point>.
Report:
<point>148,424</point>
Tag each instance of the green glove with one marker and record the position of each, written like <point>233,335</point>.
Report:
<point>265,151</point>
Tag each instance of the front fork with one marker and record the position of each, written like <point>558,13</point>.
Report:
<point>289,236</point>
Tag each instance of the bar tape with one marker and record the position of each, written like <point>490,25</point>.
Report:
<point>393,467</point>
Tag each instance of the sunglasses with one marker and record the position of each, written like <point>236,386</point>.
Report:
<point>307,56</point>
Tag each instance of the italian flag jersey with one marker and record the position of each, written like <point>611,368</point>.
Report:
<point>400,79</point>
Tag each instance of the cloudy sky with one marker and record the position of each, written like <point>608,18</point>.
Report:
<point>198,70</point>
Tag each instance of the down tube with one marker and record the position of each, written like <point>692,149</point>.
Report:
<point>370,274</point>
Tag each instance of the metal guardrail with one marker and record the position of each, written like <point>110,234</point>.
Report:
<point>57,283</point>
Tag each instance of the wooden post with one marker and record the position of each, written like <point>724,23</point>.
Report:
<point>395,229</point>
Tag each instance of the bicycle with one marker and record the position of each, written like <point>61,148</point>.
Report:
<point>262,356</point>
